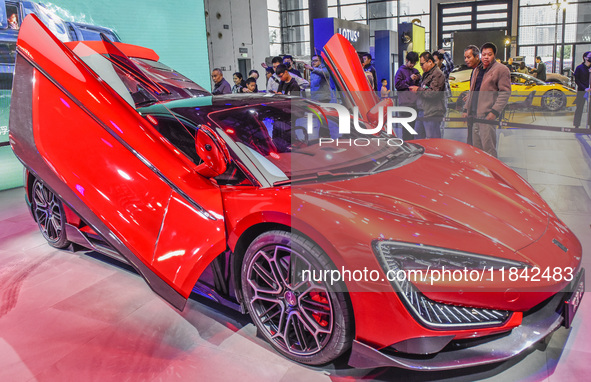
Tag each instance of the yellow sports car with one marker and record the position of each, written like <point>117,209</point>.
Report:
<point>551,97</point>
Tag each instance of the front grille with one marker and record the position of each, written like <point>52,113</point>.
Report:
<point>440,315</point>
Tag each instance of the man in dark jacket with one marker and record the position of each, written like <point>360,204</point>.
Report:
<point>540,69</point>
<point>288,84</point>
<point>431,98</point>
<point>221,86</point>
<point>472,61</point>
<point>582,80</point>
<point>407,76</point>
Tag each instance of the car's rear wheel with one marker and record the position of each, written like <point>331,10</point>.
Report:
<point>50,215</point>
<point>308,321</point>
<point>554,100</point>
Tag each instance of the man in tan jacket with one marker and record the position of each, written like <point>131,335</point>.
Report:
<point>490,89</point>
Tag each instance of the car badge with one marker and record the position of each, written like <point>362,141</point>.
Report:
<point>560,245</point>
<point>290,297</point>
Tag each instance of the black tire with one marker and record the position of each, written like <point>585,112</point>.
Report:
<point>554,100</point>
<point>49,214</point>
<point>307,321</point>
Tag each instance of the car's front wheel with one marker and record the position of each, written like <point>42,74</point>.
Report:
<point>49,214</point>
<point>308,321</point>
<point>554,100</point>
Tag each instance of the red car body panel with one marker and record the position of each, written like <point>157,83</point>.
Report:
<point>185,249</point>
<point>128,49</point>
<point>148,201</point>
<point>342,59</point>
<point>378,327</point>
<point>111,183</point>
<point>112,180</point>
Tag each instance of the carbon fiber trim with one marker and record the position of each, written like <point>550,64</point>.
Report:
<point>533,328</point>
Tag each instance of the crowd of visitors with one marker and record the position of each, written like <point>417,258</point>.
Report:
<point>221,86</point>
<point>428,93</point>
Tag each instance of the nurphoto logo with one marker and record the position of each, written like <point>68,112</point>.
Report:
<point>394,115</point>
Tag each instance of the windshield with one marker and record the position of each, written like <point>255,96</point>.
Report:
<point>91,32</point>
<point>520,78</point>
<point>275,137</point>
<point>55,24</point>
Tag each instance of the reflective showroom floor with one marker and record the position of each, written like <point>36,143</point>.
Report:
<point>73,316</point>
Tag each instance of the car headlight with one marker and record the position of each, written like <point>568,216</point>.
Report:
<point>396,257</point>
<point>415,256</point>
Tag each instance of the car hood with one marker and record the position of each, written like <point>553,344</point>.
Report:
<point>442,188</point>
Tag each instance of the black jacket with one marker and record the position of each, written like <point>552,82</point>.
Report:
<point>541,71</point>
<point>289,88</point>
<point>582,77</point>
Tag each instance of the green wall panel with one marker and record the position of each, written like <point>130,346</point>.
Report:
<point>175,29</point>
<point>11,170</point>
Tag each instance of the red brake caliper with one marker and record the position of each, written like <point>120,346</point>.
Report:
<point>321,318</point>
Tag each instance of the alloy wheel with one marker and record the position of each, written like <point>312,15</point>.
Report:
<point>553,100</point>
<point>49,214</point>
<point>296,314</point>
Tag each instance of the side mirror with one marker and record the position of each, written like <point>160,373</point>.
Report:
<point>213,151</point>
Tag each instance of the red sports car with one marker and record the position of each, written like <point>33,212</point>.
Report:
<point>333,242</point>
